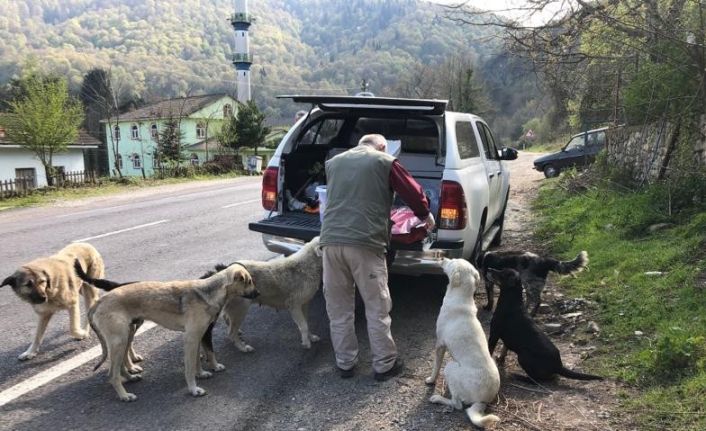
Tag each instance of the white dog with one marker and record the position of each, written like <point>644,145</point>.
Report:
<point>471,374</point>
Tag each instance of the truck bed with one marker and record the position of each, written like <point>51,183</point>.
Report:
<point>304,227</point>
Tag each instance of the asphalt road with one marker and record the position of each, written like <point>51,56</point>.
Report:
<point>178,233</point>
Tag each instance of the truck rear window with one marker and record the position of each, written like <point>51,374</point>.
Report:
<point>416,135</point>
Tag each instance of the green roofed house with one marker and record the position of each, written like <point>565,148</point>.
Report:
<point>137,133</point>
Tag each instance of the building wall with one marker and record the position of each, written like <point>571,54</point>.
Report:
<point>144,146</point>
<point>13,158</point>
<point>645,151</point>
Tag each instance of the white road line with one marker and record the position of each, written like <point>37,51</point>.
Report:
<point>121,231</point>
<point>252,201</point>
<point>57,370</point>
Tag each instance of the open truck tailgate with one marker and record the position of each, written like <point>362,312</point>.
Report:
<point>290,225</point>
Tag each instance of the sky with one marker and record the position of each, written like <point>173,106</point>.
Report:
<point>512,9</point>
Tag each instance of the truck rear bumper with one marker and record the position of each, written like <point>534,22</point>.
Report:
<point>408,262</point>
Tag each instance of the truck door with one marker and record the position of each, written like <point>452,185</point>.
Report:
<point>493,171</point>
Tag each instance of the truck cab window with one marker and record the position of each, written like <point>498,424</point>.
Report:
<point>467,145</point>
<point>491,153</point>
<point>321,132</point>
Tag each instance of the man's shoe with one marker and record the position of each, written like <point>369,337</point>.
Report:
<point>397,368</point>
<point>346,374</point>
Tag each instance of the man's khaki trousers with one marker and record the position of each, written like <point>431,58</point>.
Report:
<point>345,265</point>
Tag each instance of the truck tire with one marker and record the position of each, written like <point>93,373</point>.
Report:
<point>550,171</point>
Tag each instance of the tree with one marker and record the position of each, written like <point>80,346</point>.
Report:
<point>45,120</point>
<point>453,80</point>
<point>250,126</point>
<point>169,148</point>
<point>95,92</point>
<point>227,137</point>
<point>591,54</point>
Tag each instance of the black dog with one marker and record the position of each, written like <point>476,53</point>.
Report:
<point>536,353</point>
<point>533,270</point>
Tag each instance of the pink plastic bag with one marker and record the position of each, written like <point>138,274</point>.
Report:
<point>407,228</point>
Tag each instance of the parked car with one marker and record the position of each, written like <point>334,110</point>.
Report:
<point>452,155</point>
<point>580,151</point>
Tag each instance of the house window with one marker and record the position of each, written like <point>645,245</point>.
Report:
<point>194,159</point>
<point>136,161</point>
<point>135,131</point>
<point>154,132</point>
<point>116,132</point>
<point>227,110</point>
<point>2,132</point>
<point>200,130</point>
<point>120,161</point>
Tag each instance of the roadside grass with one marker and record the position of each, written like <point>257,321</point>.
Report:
<point>650,292</point>
<point>106,187</point>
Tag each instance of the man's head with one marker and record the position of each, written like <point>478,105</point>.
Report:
<point>374,141</point>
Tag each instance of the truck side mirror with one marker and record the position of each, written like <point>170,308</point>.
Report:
<point>507,153</point>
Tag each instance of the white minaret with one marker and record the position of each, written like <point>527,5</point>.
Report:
<point>241,55</point>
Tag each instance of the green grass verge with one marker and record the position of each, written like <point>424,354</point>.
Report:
<point>107,187</point>
<point>667,363</point>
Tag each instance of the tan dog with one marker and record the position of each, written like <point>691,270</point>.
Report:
<point>50,284</point>
<point>471,373</point>
<point>190,306</point>
<point>288,283</point>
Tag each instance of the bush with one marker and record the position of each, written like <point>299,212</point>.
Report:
<point>127,180</point>
<point>221,165</point>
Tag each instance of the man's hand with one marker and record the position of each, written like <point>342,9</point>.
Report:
<point>429,223</point>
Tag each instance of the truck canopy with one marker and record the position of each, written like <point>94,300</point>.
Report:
<point>388,104</point>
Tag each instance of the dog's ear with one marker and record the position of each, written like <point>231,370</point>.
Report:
<point>9,281</point>
<point>48,281</point>
<point>244,275</point>
<point>319,251</point>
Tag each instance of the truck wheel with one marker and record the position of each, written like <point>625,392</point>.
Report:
<point>478,247</point>
<point>550,171</point>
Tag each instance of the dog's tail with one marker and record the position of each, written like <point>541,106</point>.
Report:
<point>571,266</point>
<point>478,418</point>
<point>104,349</point>
<point>569,374</point>
<point>97,282</point>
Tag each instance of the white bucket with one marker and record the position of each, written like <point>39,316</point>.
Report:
<point>321,192</point>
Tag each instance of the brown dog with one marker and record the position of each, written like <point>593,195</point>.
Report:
<point>190,306</point>
<point>50,284</point>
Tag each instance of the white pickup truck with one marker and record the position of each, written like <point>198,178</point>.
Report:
<point>452,155</point>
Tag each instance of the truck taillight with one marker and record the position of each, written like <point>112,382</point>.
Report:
<point>452,209</point>
<point>269,189</point>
